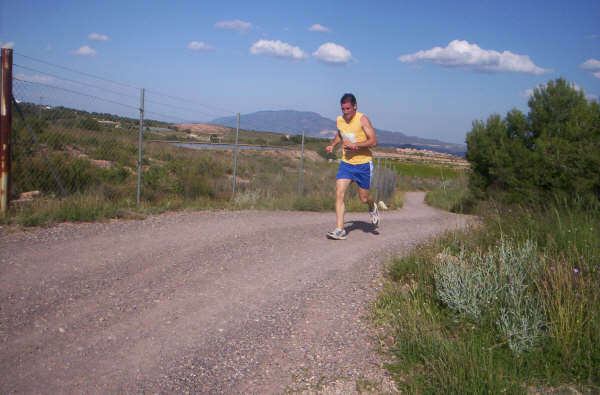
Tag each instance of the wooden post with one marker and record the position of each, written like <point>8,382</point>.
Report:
<point>5,125</point>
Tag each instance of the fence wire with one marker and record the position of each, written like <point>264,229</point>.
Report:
<point>86,149</point>
<point>74,133</point>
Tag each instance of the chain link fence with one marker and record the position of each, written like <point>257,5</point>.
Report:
<point>74,134</point>
<point>59,147</point>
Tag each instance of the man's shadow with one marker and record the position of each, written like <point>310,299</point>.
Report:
<point>366,227</point>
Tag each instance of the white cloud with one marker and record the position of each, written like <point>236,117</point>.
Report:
<point>278,49</point>
<point>318,28</point>
<point>98,37</point>
<point>593,66</point>
<point>9,44</point>
<point>199,46</point>
<point>44,79</point>
<point>237,25</point>
<point>85,51</point>
<point>333,53</point>
<point>460,53</point>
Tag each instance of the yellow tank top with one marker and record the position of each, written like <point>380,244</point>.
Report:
<point>354,132</point>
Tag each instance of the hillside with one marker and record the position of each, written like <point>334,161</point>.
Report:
<point>315,125</point>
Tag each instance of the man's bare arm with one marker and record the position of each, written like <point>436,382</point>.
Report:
<point>335,141</point>
<point>371,140</point>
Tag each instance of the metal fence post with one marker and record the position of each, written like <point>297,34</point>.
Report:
<point>301,167</point>
<point>139,181</point>
<point>5,125</point>
<point>376,179</point>
<point>235,155</point>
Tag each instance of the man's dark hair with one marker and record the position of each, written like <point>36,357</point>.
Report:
<point>348,97</point>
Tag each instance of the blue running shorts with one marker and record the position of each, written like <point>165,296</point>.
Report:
<point>362,173</point>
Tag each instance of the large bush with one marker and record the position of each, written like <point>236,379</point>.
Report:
<point>89,124</point>
<point>553,150</point>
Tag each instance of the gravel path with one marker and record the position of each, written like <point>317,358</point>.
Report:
<point>200,302</point>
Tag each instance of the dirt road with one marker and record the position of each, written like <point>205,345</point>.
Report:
<point>199,302</point>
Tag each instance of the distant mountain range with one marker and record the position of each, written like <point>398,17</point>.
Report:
<point>315,125</point>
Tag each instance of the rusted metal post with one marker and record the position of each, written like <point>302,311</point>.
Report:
<point>5,123</point>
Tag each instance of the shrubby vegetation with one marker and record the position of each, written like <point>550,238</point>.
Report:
<point>551,151</point>
<point>509,307</point>
<point>512,306</point>
<point>97,166</point>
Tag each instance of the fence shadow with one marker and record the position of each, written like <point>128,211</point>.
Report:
<point>366,227</point>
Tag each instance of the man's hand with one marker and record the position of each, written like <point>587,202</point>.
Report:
<point>329,148</point>
<point>349,145</point>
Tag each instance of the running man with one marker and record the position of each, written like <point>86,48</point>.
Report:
<point>357,135</point>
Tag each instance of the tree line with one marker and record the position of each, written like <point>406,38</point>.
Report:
<point>553,151</point>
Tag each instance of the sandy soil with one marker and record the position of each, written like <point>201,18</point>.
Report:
<point>200,302</point>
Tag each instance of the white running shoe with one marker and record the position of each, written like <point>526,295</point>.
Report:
<point>374,215</point>
<point>337,234</point>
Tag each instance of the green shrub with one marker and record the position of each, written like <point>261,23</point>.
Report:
<point>75,174</point>
<point>552,150</point>
<point>116,175</point>
<point>499,283</point>
<point>491,335</point>
<point>156,177</point>
<point>192,185</point>
<point>89,124</point>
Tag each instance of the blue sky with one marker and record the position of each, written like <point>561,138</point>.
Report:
<point>425,68</point>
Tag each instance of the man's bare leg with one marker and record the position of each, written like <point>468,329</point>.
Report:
<point>364,196</point>
<point>368,200</point>
<point>341,186</point>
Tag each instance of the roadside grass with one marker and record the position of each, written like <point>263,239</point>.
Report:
<point>422,177</point>
<point>511,306</point>
<point>425,171</point>
<point>452,194</point>
<point>98,170</point>
<point>97,165</point>
<point>177,179</point>
<point>91,207</point>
